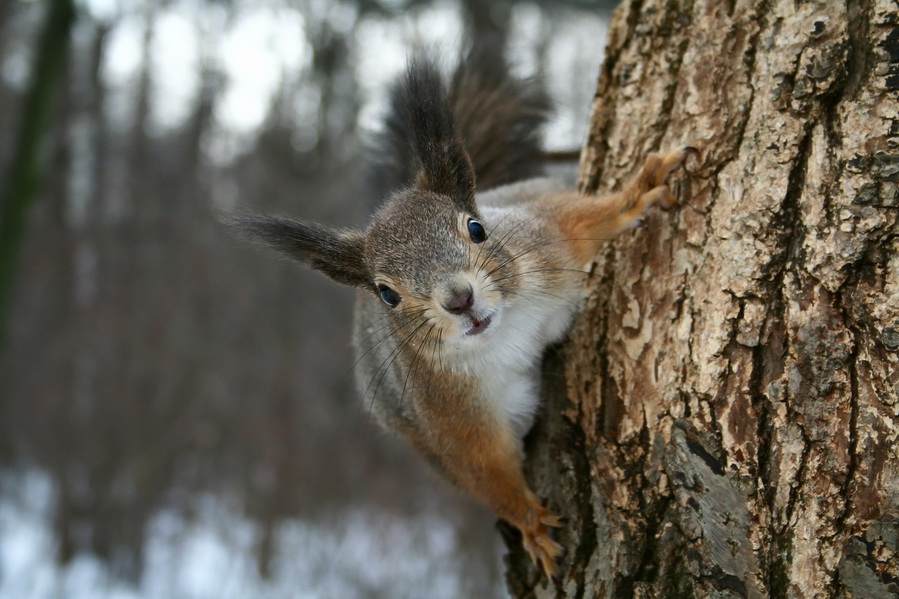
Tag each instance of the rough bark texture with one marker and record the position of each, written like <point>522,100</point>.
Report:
<point>723,420</point>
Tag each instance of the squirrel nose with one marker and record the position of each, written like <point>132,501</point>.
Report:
<point>460,301</point>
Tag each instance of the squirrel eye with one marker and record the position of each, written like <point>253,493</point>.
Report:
<point>476,231</point>
<point>388,295</point>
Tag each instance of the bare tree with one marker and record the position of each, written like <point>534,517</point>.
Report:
<point>722,421</point>
<point>25,169</point>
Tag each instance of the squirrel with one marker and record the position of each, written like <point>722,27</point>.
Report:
<point>472,265</point>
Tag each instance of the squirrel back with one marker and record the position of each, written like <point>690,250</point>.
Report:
<point>498,117</point>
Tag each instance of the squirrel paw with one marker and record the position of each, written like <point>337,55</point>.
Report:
<point>536,540</point>
<point>650,187</point>
<point>658,167</point>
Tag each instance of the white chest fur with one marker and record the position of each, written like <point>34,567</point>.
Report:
<point>506,362</point>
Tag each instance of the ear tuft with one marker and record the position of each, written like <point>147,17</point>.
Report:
<point>444,164</point>
<point>337,254</point>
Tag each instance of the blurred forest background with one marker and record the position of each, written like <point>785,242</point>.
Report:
<point>177,412</point>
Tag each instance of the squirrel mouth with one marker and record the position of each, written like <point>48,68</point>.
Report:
<point>478,326</point>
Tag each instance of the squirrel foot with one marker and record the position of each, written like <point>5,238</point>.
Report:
<point>536,540</point>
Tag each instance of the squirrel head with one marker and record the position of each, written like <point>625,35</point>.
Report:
<point>433,261</point>
<point>427,253</point>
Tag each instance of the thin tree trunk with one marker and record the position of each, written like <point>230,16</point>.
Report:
<point>723,420</point>
<point>25,169</point>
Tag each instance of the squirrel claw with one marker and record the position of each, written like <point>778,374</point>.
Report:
<point>551,520</point>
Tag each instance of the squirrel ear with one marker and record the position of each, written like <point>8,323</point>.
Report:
<point>444,164</point>
<point>337,254</point>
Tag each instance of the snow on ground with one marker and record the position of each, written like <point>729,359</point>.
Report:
<point>212,555</point>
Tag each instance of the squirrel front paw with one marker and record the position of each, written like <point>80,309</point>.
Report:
<point>650,186</point>
<point>658,167</point>
<point>536,540</point>
<point>653,178</point>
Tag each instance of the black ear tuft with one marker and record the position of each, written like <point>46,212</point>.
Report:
<point>337,254</point>
<point>444,164</point>
<point>485,114</point>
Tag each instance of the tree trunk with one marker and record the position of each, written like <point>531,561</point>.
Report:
<point>24,173</point>
<point>723,420</point>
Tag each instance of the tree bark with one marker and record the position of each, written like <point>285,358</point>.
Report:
<point>723,419</point>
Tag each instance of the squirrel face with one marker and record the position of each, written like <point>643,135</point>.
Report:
<point>442,277</point>
<point>434,264</point>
